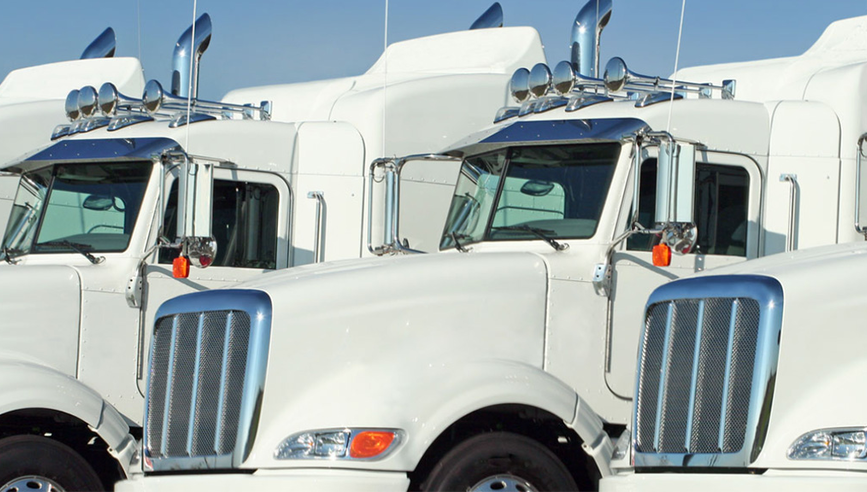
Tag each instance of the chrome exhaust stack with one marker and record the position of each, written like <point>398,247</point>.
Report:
<point>186,48</point>
<point>493,17</point>
<point>101,47</point>
<point>586,33</point>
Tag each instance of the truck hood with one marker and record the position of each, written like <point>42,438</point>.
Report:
<point>40,311</point>
<point>378,342</point>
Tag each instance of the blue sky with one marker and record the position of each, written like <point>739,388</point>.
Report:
<point>258,43</point>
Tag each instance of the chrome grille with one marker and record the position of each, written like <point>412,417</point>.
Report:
<point>711,342</point>
<point>206,377</point>
<point>197,359</point>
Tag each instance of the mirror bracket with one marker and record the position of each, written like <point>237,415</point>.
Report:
<point>392,242</point>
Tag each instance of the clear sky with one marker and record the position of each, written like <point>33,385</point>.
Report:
<point>280,41</point>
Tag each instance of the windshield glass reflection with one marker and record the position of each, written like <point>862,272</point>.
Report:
<point>548,191</point>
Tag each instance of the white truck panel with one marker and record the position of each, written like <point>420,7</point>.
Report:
<point>32,320</point>
<point>52,81</point>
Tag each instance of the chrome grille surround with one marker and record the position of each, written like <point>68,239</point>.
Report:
<point>704,389</point>
<point>208,359</point>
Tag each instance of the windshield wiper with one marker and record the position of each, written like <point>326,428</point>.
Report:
<point>77,247</point>
<point>540,233</point>
<point>9,255</point>
<point>458,245</point>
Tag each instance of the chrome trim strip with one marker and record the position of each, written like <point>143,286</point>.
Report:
<point>727,377</point>
<point>666,345</point>
<point>169,375</point>
<point>695,355</point>
<point>218,436</point>
<point>197,366</point>
<point>254,383</point>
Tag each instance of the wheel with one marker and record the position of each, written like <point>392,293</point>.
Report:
<point>30,463</point>
<point>499,461</point>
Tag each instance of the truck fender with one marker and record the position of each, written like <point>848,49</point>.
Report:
<point>423,400</point>
<point>596,442</point>
<point>28,385</point>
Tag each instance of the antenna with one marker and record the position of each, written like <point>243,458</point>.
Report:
<point>384,76</point>
<point>676,59</point>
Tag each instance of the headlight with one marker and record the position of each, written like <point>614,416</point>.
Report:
<point>339,444</point>
<point>831,444</point>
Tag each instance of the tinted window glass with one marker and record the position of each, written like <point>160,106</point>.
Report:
<point>722,194</point>
<point>244,224</point>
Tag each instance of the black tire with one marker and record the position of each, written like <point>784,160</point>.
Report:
<point>28,461</point>
<point>499,461</point>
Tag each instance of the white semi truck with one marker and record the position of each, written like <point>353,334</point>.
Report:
<point>108,218</point>
<point>507,361</point>
<point>749,379</point>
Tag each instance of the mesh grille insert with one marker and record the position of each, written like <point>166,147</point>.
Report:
<point>695,376</point>
<point>197,369</point>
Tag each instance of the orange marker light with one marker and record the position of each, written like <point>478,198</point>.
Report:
<point>181,267</point>
<point>661,255</point>
<point>368,444</point>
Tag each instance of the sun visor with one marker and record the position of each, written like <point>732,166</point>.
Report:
<point>547,132</point>
<point>115,149</point>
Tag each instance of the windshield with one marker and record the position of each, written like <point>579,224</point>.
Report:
<point>71,207</point>
<point>553,191</point>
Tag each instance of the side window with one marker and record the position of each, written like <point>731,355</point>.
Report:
<point>722,194</point>
<point>244,224</point>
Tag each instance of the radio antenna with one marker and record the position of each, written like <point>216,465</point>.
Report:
<point>138,19</point>
<point>384,76</point>
<point>676,60</point>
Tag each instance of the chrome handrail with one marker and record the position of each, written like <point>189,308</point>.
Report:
<point>858,228</point>
<point>793,198</point>
<point>320,205</point>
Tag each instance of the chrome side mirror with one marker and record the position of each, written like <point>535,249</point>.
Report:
<point>195,198</point>
<point>675,183</point>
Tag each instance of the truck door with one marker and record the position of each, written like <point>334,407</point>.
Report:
<point>250,223</point>
<point>727,202</point>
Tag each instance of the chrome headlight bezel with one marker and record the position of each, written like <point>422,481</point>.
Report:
<point>832,444</point>
<point>333,444</point>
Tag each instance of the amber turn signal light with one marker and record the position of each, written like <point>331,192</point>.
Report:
<point>369,444</point>
<point>661,255</point>
<point>181,267</point>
